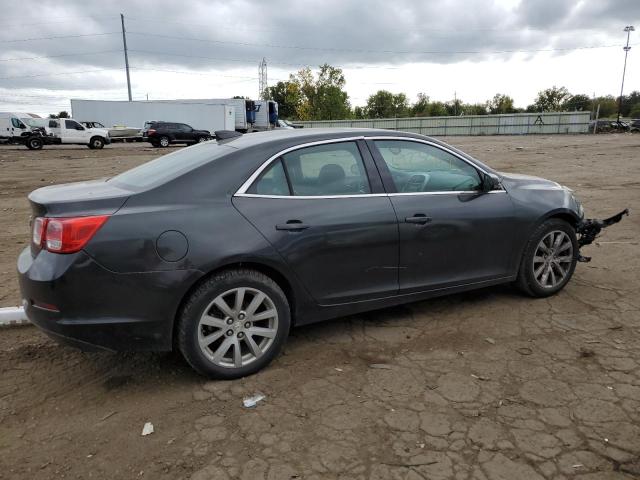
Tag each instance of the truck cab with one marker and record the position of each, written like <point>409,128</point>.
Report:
<point>67,131</point>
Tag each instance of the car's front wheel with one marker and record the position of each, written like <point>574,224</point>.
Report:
<point>96,143</point>
<point>234,324</point>
<point>549,259</point>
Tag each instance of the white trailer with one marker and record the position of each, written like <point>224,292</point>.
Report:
<point>201,115</point>
<point>245,109</point>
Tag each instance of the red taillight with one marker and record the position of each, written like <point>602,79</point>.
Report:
<point>66,235</point>
<point>151,131</point>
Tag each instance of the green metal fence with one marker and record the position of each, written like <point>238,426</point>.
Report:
<point>509,124</point>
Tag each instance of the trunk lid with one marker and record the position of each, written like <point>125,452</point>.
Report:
<point>97,197</point>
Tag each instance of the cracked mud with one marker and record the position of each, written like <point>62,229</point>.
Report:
<point>482,385</point>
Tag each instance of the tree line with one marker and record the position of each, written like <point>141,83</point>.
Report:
<point>322,96</point>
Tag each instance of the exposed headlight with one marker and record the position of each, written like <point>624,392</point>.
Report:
<point>579,205</point>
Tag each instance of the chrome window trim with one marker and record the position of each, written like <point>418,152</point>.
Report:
<point>241,192</point>
<point>428,142</point>
<point>308,197</point>
<point>245,186</point>
<point>364,195</point>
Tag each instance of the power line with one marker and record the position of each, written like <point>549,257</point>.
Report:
<point>59,36</point>
<point>67,19</point>
<point>17,59</point>
<point>252,61</point>
<point>353,50</point>
<point>59,73</point>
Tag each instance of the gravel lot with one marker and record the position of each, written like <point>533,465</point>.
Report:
<point>482,385</point>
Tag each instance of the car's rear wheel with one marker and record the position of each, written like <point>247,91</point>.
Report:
<point>203,139</point>
<point>549,259</point>
<point>164,141</point>
<point>34,143</point>
<point>234,324</point>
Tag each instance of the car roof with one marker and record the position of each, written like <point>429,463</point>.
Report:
<point>306,135</point>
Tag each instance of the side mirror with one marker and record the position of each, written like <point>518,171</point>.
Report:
<point>490,182</point>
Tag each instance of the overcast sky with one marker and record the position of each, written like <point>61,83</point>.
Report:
<point>211,49</point>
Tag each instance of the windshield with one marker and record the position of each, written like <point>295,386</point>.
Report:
<point>168,167</point>
<point>31,122</point>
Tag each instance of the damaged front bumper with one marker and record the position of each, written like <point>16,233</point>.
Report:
<point>589,228</point>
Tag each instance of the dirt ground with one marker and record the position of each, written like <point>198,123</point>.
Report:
<point>481,385</point>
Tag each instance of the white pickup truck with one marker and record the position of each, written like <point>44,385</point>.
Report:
<point>36,132</point>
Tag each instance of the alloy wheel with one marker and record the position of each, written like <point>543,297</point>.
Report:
<point>238,327</point>
<point>552,259</point>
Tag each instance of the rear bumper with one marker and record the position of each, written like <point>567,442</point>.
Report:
<point>76,301</point>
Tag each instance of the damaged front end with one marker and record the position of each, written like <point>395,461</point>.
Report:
<point>589,228</point>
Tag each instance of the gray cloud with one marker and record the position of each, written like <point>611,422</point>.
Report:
<point>238,33</point>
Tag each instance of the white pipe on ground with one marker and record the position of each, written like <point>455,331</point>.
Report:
<point>13,316</point>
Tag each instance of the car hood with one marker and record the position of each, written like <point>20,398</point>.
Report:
<point>527,182</point>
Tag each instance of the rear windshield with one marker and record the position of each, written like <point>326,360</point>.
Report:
<point>168,167</point>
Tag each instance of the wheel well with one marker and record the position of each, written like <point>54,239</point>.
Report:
<point>567,217</point>
<point>96,136</point>
<point>270,272</point>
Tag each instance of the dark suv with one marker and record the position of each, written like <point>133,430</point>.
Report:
<point>162,134</point>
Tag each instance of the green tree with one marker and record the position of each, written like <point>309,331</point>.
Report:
<point>421,107</point>
<point>628,102</point>
<point>552,99</point>
<point>62,114</point>
<point>384,104</point>
<point>359,113</point>
<point>500,103</point>
<point>321,98</point>
<point>608,106</point>
<point>474,109</point>
<point>634,112</point>
<point>579,103</point>
<point>438,109</point>
<point>287,95</point>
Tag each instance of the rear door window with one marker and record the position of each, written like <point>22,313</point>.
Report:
<point>327,170</point>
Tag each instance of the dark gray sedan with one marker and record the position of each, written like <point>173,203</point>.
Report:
<point>219,249</point>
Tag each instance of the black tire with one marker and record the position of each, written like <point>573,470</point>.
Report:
<point>34,143</point>
<point>164,141</point>
<point>200,300</point>
<point>96,143</point>
<point>526,280</point>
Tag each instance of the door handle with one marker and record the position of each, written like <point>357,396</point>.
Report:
<point>292,226</point>
<point>418,218</point>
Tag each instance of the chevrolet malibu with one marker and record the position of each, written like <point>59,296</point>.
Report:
<point>217,250</point>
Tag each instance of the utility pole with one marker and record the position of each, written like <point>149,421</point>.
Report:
<point>626,48</point>
<point>126,55</point>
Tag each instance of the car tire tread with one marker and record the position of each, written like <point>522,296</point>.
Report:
<point>525,280</point>
<point>189,316</point>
